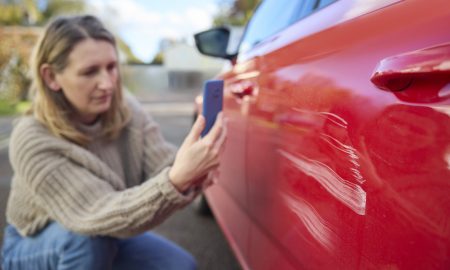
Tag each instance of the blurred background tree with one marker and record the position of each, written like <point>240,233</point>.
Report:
<point>21,22</point>
<point>158,59</point>
<point>36,12</point>
<point>235,12</point>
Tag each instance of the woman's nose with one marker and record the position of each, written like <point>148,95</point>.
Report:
<point>106,81</point>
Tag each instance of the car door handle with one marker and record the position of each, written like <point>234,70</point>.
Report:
<point>242,90</point>
<point>396,73</point>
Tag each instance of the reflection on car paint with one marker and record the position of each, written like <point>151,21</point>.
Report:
<point>442,109</point>
<point>247,75</point>
<point>361,7</point>
<point>421,204</point>
<point>350,194</point>
<point>445,91</point>
<point>447,158</point>
<point>313,222</point>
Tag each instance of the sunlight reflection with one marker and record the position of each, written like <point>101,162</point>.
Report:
<point>364,6</point>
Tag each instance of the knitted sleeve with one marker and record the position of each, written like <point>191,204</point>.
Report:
<point>157,152</point>
<point>78,196</point>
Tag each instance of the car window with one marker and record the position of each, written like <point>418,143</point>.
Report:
<point>271,17</point>
<point>307,8</point>
<point>325,3</point>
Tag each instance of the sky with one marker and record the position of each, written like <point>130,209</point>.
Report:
<point>143,23</point>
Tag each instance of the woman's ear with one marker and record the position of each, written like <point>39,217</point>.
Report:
<point>49,77</point>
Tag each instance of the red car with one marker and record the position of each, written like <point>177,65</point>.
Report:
<point>338,148</point>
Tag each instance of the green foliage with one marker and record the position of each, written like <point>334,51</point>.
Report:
<point>14,82</point>
<point>7,108</point>
<point>125,49</point>
<point>17,41</point>
<point>237,13</point>
<point>27,12</point>
<point>23,106</point>
<point>158,59</point>
<point>10,15</point>
<point>58,7</point>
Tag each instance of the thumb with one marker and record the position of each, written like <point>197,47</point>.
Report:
<point>196,129</point>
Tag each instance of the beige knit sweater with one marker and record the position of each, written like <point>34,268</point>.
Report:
<point>119,188</point>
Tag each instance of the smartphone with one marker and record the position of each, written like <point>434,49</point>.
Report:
<point>212,102</point>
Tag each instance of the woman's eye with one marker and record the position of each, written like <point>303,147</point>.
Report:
<point>111,67</point>
<point>89,72</point>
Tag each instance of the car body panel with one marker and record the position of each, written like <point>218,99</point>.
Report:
<point>233,168</point>
<point>340,174</point>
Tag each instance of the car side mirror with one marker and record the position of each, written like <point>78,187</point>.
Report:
<point>214,42</point>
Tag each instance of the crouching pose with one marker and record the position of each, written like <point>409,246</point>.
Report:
<point>92,172</point>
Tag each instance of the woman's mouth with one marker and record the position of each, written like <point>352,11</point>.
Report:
<point>102,98</point>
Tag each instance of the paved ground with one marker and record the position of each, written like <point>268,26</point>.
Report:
<point>199,235</point>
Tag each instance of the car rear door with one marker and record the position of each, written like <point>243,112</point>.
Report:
<point>342,174</point>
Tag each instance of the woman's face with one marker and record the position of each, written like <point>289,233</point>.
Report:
<point>90,79</point>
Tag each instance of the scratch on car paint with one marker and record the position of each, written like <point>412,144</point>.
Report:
<point>335,119</point>
<point>357,175</point>
<point>330,116</point>
<point>314,223</point>
<point>350,194</point>
<point>340,146</point>
<point>350,151</point>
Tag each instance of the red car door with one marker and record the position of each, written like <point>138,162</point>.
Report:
<point>228,196</point>
<point>348,138</point>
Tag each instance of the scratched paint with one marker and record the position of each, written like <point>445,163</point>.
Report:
<point>350,194</point>
<point>335,119</point>
<point>327,115</point>
<point>350,152</point>
<point>313,222</point>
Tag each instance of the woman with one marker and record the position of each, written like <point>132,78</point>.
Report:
<point>91,171</point>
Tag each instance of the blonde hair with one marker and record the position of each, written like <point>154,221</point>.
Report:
<point>51,107</point>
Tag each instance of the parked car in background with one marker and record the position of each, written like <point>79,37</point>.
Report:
<point>338,147</point>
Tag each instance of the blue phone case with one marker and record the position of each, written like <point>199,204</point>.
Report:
<point>212,102</point>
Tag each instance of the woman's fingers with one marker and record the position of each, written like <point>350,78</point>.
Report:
<point>196,129</point>
<point>195,157</point>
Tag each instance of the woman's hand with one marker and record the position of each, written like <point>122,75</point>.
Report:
<point>197,156</point>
